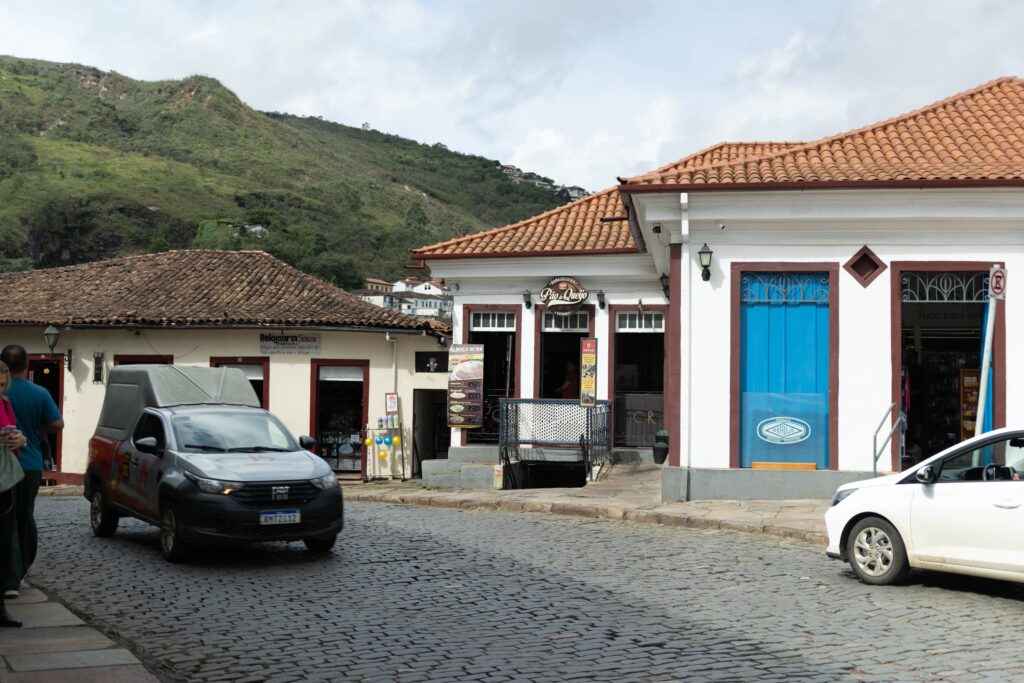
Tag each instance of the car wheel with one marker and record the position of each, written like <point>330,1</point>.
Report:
<point>101,516</point>
<point>876,552</point>
<point>320,545</point>
<point>173,548</point>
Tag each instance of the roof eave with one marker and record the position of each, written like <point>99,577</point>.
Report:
<point>530,254</point>
<point>628,189</point>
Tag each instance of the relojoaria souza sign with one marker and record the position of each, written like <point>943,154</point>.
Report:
<point>563,295</point>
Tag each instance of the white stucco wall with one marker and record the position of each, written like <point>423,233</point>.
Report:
<point>289,375</point>
<point>985,226</point>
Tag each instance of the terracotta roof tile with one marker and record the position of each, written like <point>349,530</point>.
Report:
<point>976,136</point>
<point>595,224</point>
<point>188,288</point>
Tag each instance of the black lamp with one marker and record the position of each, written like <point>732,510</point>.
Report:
<point>664,284</point>
<point>527,301</point>
<point>705,262</point>
<point>51,334</point>
<point>600,298</point>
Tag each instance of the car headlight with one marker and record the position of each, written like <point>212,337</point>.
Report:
<point>213,485</point>
<point>841,496</point>
<point>325,482</point>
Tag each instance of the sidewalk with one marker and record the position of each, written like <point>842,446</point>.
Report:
<point>56,646</point>
<point>628,492</point>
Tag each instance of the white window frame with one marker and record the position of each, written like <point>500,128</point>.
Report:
<point>575,322</point>
<point>492,321</point>
<point>651,322</point>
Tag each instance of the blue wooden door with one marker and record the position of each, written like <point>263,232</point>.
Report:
<point>784,369</point>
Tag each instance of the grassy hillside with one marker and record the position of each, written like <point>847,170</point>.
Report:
<point>94,164</point>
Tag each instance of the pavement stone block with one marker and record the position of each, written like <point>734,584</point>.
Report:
<point>43,614</point>
<point>51,639</point>
<point>134,673</point>
<point>45,661</point>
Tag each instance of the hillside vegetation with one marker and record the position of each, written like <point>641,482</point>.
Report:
<point>94,164</point>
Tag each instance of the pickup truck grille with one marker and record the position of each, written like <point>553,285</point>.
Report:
<point>262,494</point>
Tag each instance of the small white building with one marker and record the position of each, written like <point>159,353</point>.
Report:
<point>843,278</point>
<point>319,358</point>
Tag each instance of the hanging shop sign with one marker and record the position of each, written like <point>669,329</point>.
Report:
<point>563,295</point>
<point>466,386</point>
<point>296,344</point>
<point>588,373</point>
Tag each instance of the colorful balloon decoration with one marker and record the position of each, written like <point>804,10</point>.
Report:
<point>378,441</point>
<point>383,455</point>
<point>368,442</point>
<point>387,440</point>
<point>397,440</point>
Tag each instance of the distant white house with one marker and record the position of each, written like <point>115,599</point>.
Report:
<point>412,296</point>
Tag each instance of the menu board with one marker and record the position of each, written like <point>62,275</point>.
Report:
<point>588,373</point>
<point>465,385</point>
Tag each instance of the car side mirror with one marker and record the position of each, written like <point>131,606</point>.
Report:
<point>148,444</point>
<point>926,475</point>
<point>307,442</point>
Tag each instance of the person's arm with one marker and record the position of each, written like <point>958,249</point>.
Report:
<point>53,421</point>
<point>55,426</point>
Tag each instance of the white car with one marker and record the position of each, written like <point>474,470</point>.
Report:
<point>961,511</point>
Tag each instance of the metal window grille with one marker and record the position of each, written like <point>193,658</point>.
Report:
<point>944,287</point>
<point>492,321</point>
<point>575,322</point>
<point>784,288</point>
<point>635,322</point>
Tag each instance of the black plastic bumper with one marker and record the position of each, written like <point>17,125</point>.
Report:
<point>205,518</point>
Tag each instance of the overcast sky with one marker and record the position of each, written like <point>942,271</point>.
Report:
<point>578,90</point>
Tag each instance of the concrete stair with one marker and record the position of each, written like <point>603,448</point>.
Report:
<point>467,467</point>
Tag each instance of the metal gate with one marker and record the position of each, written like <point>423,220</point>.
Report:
<point>552,422</point>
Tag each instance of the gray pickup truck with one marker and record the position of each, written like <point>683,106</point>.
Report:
<point>189,450</point>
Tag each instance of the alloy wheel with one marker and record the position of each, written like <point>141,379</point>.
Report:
<point>873,551</point>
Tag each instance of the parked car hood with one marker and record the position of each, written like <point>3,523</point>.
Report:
<point>256,466</point>
<point>887,480</point>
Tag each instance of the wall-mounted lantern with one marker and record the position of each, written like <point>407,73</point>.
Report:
<point>664,284</point>
<point>527,298</point>
<point>705,262</point>
<point>600,298</point>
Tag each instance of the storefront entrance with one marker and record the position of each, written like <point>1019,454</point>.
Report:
<point>942,322</point>
<point>340,413</point>
<point>785,368</point>
<point>431,437</point>
<point>496,330</point>
<point>559,351</point>
<point>638,376</point>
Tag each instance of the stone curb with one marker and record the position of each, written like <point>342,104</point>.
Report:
<point>602,510</point>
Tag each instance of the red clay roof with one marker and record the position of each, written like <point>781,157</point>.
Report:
<point>188,288</point>
<point>975,137</point>
<point>593,225</point>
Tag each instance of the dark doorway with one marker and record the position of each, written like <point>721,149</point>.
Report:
<point>559,371</point>
<point>941,346</point>
<point>499,380</point>
<point>340,414</point>
<point>638,371</point>
<point>48,373</point>
<point>431,434</point>
<point>256,369</point>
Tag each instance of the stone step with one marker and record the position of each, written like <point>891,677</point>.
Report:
<point>473,454</point>
<point>462,475</point>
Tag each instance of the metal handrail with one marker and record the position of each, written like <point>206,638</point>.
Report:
<point>901,420</point>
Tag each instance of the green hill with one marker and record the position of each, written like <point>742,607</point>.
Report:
<point>94,164</point>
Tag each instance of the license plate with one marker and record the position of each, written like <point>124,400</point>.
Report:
<point>280,517</point>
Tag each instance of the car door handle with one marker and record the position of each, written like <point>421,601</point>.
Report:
<point>1007,504</point>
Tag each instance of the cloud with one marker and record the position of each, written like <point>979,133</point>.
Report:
<point>579,91</point>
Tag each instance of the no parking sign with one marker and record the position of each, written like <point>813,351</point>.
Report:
<point>997,283</point>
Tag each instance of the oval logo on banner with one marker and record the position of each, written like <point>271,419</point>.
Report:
<point>563,295</point>
<point>783,430</point>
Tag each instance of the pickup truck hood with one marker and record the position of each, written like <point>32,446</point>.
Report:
<point>255,466</point>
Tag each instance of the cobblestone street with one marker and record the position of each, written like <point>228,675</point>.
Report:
<point>424,594</point>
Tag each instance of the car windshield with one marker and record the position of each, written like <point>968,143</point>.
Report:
<point>231,432</point>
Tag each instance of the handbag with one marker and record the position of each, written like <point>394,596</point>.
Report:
<point>10,469</point>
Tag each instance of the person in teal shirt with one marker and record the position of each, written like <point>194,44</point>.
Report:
<point>35,412</point>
